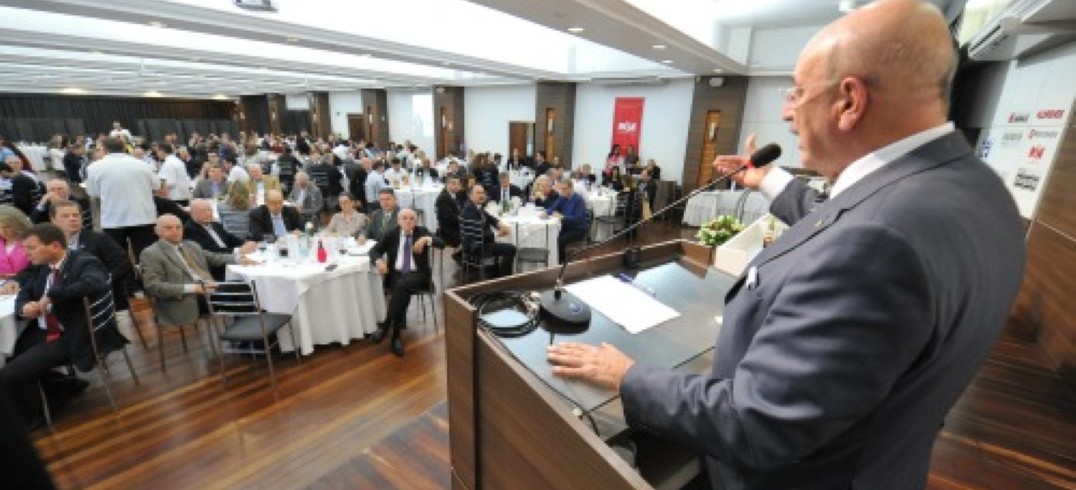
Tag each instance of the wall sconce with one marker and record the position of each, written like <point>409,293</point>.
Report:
<point>549,126</point>
<point>273,115</point>
<point>712,132</point>
<point>444,120</point>
<point>450,125</point>
<point>370,118</point>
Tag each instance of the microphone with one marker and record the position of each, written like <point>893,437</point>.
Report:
<point>561,306</point>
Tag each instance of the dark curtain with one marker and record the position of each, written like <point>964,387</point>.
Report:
<point>256,110</point>
<point>28,113</point>
<point>292,122</point>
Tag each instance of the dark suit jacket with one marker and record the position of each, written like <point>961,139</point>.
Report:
<point>25,192</point>
<point>448,217</point>
<point>197,233</point>
<point>115,259</point>
<point>375,230</point>
<point>513,191</point>
<point>168,206</point>
<point>41,215</point>
<point>862,326</point>
<point>261,223</point>
<point>390,249</point>
<point>81,275</point>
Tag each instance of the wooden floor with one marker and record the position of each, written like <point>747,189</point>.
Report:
<point>357,417</point>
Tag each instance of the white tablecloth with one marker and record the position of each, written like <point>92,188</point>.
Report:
<point>36,155</point>
<point>326,307</point>
<point>709,205</point>
<point>8,327</point>
<point>603,204</point>
<point>520,178</point>
<point>424,198</point>
<point>529,231</point>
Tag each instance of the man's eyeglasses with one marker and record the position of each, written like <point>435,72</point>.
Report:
<point>796,95</point>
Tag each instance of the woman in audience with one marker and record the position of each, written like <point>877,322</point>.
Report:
<point>653,169</point>
<point>234,212</point>
<point>613,179</point>
<point>13,258</point>
<point>613,160</point>
<point>348,222</point>
<point>543,196</point>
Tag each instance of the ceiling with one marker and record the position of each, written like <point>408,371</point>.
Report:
<point>211,48</point>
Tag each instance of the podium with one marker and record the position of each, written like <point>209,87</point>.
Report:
<point>512,424</point>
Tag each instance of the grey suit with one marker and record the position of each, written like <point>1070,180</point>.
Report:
<point>204,190</point>
<point>165,276</point>
<point>379,224</point>
<point>868,318</point>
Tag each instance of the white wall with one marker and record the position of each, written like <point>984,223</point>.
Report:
<point>666,114</point>
<point>296,102</point>
<point>1013,106</point>
<point>340,104</point>
<point>411,118</point>
<point>488,111</point>
<point>762,116</point>
<point>777,49</point>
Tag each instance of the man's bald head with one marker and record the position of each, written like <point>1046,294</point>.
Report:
<point>169,228</point>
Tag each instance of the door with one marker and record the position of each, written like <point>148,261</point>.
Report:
<point>356,126</point>
<point>550,146</point>
<point>442,142</point>
<point>709,148</point>
<point>519,138</point>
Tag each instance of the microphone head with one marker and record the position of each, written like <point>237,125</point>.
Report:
<point>766,155</point>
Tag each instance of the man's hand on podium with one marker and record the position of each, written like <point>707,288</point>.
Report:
<point>603,365</point>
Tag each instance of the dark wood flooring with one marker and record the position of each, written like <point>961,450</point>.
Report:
<point>358,417</point>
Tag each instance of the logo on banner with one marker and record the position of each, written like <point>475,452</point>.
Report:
<point>1038,133</point>
<point>627,127</point>
<point>1019,117</point>
<point>1036,152</point>
<point>1025,180</point>
<point>1050,114</point>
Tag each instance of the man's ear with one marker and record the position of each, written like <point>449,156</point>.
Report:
<point>852,102</point>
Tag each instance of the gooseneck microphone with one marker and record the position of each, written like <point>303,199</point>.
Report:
<point>563,307</point>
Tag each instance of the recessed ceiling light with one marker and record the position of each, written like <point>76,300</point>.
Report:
<point>718,70</point>
<point>72,91</point>
<point>667,62</point>
<point>157,23</point>
<point>153,93</point>
<point>575,30</point>
<point>658,46</point>
<point>220,97</point>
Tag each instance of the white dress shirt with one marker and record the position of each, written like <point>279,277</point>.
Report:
<point>778,178</point>
<point>238,174</point>
<point>125,187</point>
<point>174,174</point>
<point>394,176</point>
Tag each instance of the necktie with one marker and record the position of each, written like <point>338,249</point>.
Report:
<point>52,325</point>
<point>407,255</point>
<point>385,217</point>
<point>200,274</point>
<point>278,226</point>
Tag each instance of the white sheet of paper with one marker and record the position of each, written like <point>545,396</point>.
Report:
<point>628,306</point>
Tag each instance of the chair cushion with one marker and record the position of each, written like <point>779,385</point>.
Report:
<point>249,328</point>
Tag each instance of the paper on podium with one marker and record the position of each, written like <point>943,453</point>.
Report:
<point>624,304</point>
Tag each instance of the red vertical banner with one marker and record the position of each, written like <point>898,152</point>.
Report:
<point>627,122</point>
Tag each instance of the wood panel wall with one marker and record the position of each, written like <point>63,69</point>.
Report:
<point>1045,309</point>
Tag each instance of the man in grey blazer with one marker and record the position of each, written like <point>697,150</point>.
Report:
<point>213,187</point>
<point>384,219</point>
<point>848,340</point>
<point>176,272</point>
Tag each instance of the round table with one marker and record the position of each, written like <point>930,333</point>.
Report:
<point>709,205</point>
<point>8,327</point>
<point>424,198</point>
<point>326,306</point>
<point>520,178</point>
<point>601,204</point>
<point>527,230</point>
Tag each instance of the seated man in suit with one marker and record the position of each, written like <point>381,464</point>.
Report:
<point>58,190</point>
<point>476,230</point>
<point>57,333</point>
<point>506,191</point>
<point>425,171</point>
<point>273,218</point>
<point>260,183</point>
<point>404,258</point>
<point>571,208</point>
<point>212,188</point>
<point>66,215</point>
<point>212,236</point>
<point>384,219</point>
<point>307,197</point>
<point>449,203</point>
<point>176,273</point>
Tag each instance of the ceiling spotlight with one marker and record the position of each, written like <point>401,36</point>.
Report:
<point>658,46</point>
<point>667,62</point>
<point>575,30</point>
<point>152,93</point>
<point>718,70</point>
<point>157,23</point>
<point>72,91</point>
<point>220,97</point>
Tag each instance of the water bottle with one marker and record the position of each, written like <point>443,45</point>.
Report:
<point>304,248</point>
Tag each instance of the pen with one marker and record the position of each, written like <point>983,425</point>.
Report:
<point>628,279</point>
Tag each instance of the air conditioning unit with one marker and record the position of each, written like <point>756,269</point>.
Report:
<point>1023,28</point>
<point>255,5</point>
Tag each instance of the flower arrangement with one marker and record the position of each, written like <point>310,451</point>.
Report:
<point>718,230</point>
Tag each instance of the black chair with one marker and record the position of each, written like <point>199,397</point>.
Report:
<point>676,212</point>
<point>426,297</point>
<point>236,304</point>
<point>100,314</point>
<point>483,259</point>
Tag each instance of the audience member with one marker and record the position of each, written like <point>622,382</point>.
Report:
<point>506,190</point>
<point>349,221</point>
<point>307,197</point>
<point>274,218</point>
<point>214,186</point>
<point>124,185</point>
<point>449,205</point>
<point>59,190</point>
<point>571,209</point>
<point>234,211</point>
<point>384,218</point>
<point>212,236</point>
<point>375,183</point>
<point>175,183</point>
<point>13,258</point>
<point>476,231</point>
<point>25,189</point>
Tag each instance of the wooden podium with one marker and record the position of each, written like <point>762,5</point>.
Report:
<point>509,428</point>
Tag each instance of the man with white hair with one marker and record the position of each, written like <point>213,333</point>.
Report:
<point>212,236</point>
<point>259,183</point>
<point>58,190</point>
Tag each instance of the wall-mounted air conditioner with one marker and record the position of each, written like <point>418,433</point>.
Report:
<point>1024,27</point>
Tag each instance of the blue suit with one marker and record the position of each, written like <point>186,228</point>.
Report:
<point>860,329</point>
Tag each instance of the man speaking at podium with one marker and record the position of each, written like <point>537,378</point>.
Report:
<point>849,339</point>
